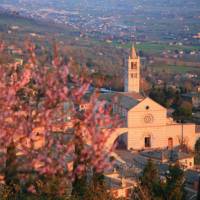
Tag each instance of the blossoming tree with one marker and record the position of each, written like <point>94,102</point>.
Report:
<point>50,119</point>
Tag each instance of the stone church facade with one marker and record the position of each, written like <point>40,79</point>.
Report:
<point>146,124</point>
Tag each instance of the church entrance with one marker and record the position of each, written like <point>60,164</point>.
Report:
<point>147,142</point>
<point>170,143</point>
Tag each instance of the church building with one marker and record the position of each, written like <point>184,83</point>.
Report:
<point>145,122</point>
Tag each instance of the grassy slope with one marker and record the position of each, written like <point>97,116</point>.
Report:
<point>174,68</point>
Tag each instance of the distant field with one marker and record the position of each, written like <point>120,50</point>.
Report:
<point>174,68</point>
<point>157,48</point>
<point>160,47</point>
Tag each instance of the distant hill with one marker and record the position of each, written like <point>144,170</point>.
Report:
<point>156,23</point>
<point>143,19</point>
<point>103,59</point>
<point>109,4</point>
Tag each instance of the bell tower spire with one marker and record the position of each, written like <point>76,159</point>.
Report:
<point>132,74</point>
<point>133,52</point>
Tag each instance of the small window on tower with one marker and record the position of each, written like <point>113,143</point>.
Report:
<point>133,75</point>
<point>133,65</point>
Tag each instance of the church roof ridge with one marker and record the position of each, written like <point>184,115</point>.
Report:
<point>123,100</point>
<point>133,95</point>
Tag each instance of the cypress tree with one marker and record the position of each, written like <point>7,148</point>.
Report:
<point>11,173</point>
<point>198,193</point>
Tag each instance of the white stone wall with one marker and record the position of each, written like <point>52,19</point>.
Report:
<point>177,130</point>
<point>160,134</point>
<point>158,127</point>
<point>136,137</point>
<point>147,108</point>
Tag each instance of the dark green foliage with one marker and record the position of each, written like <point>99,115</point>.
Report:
<point>170,187</point>
<point>79,187</point>
<point>197,152</point>
<point>164,96</point>
<point>169,97</point>
<point>198,193</point>
<point>98,178</point>
<point>80,180</point>
<point>11,165</point>
<point>97,189</point>
<point>175,183</point>
<point>150,179</point>
<point>52,187</point>
<point>11,174</point>
<point>97,192</point>
<point>184,111</point>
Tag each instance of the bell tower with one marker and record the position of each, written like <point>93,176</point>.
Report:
<point>132,73</point>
